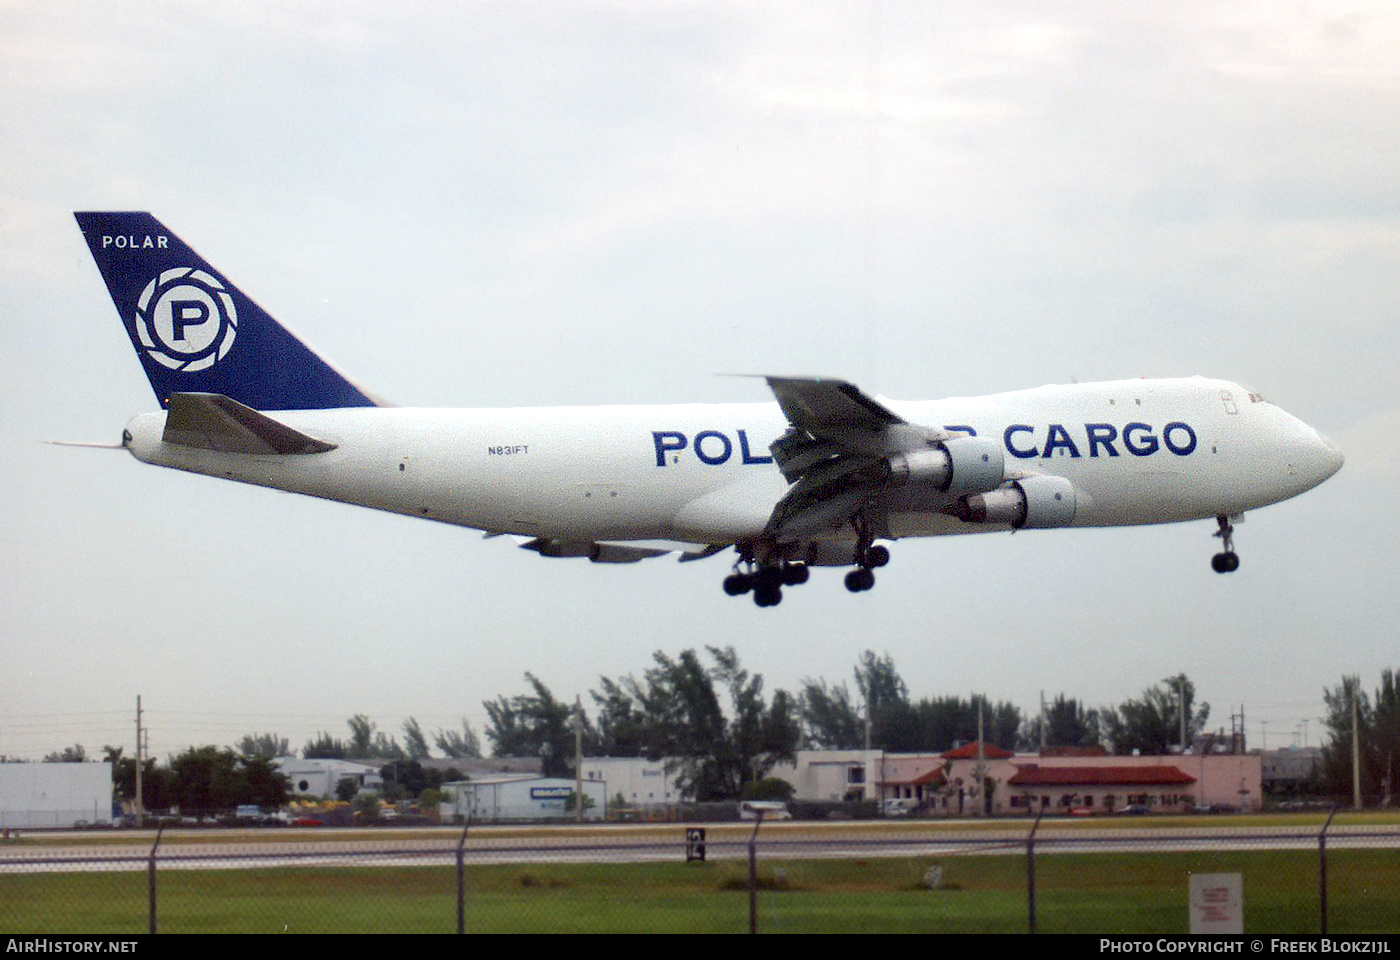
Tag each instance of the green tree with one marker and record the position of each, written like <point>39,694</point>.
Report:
<point>345,789</point>
<point>409,778</point>
<point>414,742</point>
<point>1378,720</point>
<point>458,745</point>
<point>366,807</point>
<point>324,747</point>
<point>936,724</point>
<point>73,754</point>
<point>684,722</point>
<point>269,746</point>
<point>206,780</point>
<point>367,742</point>
<point>263,783</point>
<point>880,683</point>
<point>157,783</point>
<point>830,720</point>
<point>620,731</point>
<point>534,724</point>
<point>429,801</point>
<point>1151,725</point>
<point>1067,722</point>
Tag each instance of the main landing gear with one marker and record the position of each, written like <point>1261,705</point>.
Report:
<point>766,579</point>
<point>863,576</point>
<point>766,582</point>
<point>1227,560</point>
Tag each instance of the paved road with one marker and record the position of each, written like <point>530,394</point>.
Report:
<point>231,849</point>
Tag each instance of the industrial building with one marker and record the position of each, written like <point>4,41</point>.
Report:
<point>641,783</point>
<point>522,797</point>
<point>39,795</point>
<point>319,777</point>
<point>975,781</point>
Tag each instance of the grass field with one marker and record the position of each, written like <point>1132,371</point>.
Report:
<point>1080,893</point>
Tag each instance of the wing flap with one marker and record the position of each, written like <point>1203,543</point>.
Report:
<point>620,551</point>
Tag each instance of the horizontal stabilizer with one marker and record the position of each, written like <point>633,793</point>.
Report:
<point>214,422</point>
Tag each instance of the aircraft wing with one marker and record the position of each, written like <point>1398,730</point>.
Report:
<point>834,453</point>
<point>824,407</point>
<point>615,551</point>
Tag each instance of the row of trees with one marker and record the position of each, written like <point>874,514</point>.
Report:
<point>712,716</point>
<point>705,711</point>
<point>1377,723</point>
<point>201,781</point>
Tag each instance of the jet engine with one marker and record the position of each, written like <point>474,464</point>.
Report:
<point>959,466</point>
<point>1030,503</point>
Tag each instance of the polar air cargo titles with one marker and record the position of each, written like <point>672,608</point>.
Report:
<point>815,479</point>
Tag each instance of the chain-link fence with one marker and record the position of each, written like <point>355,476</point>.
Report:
<point>788,877</point>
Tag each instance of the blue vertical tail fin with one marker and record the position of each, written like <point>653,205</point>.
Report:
<point>195,332</point>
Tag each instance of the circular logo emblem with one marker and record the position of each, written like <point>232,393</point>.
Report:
<point>185,319</point>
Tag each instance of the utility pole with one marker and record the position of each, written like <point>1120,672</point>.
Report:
<point>1181,698</point>
<point>1355,743</point>
<point>981,761</point>
<point>578,755</point>
<point>140,808</point>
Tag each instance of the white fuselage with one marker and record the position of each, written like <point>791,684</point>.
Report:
<point>1136,451</point>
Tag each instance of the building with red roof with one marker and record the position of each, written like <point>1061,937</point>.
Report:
<point>958,783</point>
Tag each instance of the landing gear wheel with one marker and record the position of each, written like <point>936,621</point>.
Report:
<point>767,596</point>
<point>860,579</point>
<point>1225,562</point>
<point>738,583</point>
<point>877,556</point>
<point>768,578</point>
<point>795,573</point>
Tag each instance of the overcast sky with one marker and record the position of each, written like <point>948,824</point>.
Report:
<point>534,204</point>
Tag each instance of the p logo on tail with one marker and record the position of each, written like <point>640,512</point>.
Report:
<point>195,332</point>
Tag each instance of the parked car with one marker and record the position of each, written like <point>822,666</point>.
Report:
<point>771,810</point>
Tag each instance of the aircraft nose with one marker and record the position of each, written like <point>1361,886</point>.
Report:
<point>1330,459</point>
<point>1317,457</point>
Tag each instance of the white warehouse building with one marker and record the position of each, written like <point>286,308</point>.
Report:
<point>523,797</point>
<point>640,782</point>
<point>38,795</point>
<point>318,777</point>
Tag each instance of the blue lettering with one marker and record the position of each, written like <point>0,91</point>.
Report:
<point>1059,438</point>
<point>187,313</point>
<point>744,450</point>
<point>960,428</point>
<point>1186,448</point>
<point>1006,438</point>
<point>1101,434</point>
<point>666,441</point>
<point>713,461</point>
<point>1146,447</point>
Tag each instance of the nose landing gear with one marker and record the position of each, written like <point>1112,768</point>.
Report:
<point>1227,560</point>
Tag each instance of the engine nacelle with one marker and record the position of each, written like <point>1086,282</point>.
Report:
<point>1031,503</point>
<point>963,465</point>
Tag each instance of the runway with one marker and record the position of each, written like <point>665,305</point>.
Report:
<point>214,849</point>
